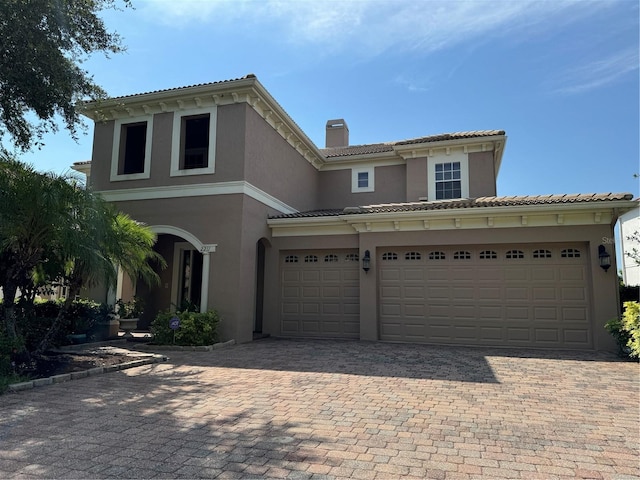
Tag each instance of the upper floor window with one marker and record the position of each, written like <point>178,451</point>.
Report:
<point>448,176</point>
<point>448,181</point>
<point>193,141</point>
<point>362,180</point>
<point>131,154</point>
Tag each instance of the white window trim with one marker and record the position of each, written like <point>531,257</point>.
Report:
<point>464,172</point>
<point>175,142</point>
<point>354,180</point>
<point>115,150</point>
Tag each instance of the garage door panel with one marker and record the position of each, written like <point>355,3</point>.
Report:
<point>544,293</point>
<point>438,293</point>
<point>517,313</point>
<point>516,274</point>
<point>573,293</point>
<point>331,292</point>
<point>415,310</point>
<point>290,308</point>
<point>465,274</point>
<point>351,292</point>
<point>330,308</point>
<point>310,292</point>
<point>310,275</point>
<point>490,293</point>
<point>291,276</point>
<point>352,309</point>
<point>331,276</point>
<point>491,334</point>
<point>462,293</point>
<point>351,276</point>
<point>290,292</point>
<point>390,274</point>
<point>573,273</point>
<point>575,314</point>
<point>436,274</point>
<point>545,313</point>
<point>547,335</point>
<point>578,337</point>
<point>309,326</point>
<point>524,300</point>
<point>516,334</point>
<point>516,293</point>
<point>543,274</point>
<point>413,274</point>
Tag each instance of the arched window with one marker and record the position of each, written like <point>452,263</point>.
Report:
<point>437,256</point>
<point>291,259</point>
<point>412,256</point>
<point>515,254</point>
<point>311,259</point>
<point>330,258</point>
<point>570,253</point>
<point>462,255</point>
<point>488,255</point>
<point>389,256</point>
<point>541,253</point>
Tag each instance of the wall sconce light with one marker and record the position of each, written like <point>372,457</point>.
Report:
<point>366,261</point>
<point>604,257</point>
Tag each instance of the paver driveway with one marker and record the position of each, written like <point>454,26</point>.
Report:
<point>333,409</point>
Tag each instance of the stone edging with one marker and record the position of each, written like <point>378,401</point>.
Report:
<point>156,358</point>
<point>65,377</point>
<point>185,348</point>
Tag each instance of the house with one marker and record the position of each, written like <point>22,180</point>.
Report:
<point>629,242</point>
<point>403,241</point>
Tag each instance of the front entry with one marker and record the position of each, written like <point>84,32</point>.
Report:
<point>187,276</point>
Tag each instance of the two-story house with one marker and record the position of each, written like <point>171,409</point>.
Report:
<point>399,241</point>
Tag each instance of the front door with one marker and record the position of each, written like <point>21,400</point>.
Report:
<point>187,276</point>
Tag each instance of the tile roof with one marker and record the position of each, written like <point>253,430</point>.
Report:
<point>175,89</point>
<point>465,203</point>
<point>388,146</point>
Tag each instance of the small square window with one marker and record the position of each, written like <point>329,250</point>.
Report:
<point>362,180</point>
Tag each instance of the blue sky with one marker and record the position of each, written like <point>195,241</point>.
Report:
<point>560,77</point>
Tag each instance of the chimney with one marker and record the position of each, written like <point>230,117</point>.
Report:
<point>337,133</point>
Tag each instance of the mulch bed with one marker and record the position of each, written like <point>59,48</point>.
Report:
<point>58,363</point>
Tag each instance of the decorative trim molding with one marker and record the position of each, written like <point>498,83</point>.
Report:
<point>198,190</point>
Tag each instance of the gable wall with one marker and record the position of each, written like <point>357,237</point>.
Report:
<point>335,188</point>
<point>275,167</point>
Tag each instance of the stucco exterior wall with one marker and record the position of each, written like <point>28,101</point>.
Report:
<point>275,167</point>
<point>335,188</point>
<point>482,175</point>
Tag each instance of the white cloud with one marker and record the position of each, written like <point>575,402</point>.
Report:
<point>598,73</point>
<point>372,27</point>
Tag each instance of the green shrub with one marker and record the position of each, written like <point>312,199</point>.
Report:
<point>195,328</point>
<point>626,330</point>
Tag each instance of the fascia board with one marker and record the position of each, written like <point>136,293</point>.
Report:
<point>357,161</point>
<point>419,149</point>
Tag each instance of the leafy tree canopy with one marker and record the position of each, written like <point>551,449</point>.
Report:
<point>42,45</point>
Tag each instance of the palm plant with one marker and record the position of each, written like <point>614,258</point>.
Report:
<point>51,226</point>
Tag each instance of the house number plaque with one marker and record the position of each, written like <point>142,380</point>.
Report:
<point>208,248</point>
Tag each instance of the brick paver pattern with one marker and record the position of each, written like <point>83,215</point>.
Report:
<point>334,409</point>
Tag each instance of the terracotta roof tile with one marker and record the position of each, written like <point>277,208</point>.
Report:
<point>388,146</point>
<point>251,75</point>
<point>465,203</point>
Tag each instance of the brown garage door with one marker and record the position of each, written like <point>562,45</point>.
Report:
<point>522,295</point>
<point>320,293</point>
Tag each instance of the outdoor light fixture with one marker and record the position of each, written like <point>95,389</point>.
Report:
<point>366,261</point>
<point>604,257</point>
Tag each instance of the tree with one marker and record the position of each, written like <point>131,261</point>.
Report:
<point>52,229</point>
<point>42,45</point>
<point>634,254</point>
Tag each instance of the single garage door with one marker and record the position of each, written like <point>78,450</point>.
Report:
<point>320,293</point>
<point>515,295</point>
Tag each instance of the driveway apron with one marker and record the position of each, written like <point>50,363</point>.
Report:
<point>325,409</point>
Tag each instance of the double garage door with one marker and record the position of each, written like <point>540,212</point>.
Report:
<point>320,293</point>
<point>534,296</point>
<point>507,295</point>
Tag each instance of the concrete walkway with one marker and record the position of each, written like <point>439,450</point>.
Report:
<point>333,409</point>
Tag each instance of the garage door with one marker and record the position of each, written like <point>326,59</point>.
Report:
<point>320,293</point>
<point>515,295</point>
